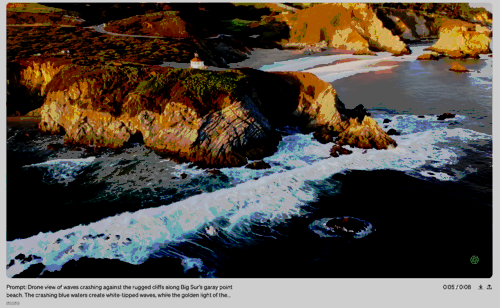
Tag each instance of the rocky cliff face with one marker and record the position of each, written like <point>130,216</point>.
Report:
<point>348,26</point>
<point>210,118</point>
<point>26,83</point>
<point>411,25</point>
<point>460,39</point>
<point>457,38</point>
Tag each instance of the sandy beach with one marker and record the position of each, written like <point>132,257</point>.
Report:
<point>260,57</point>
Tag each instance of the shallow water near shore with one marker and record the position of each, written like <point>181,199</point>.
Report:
<point>429,200</point>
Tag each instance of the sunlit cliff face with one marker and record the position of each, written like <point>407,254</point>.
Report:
<point>206,117</point>
<point>350,26</point>
<point>461,39</point>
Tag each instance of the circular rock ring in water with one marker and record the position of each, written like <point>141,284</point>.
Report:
<point>341,227</point>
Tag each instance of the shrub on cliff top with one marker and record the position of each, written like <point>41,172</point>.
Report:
<point>100,87</point>
<point>204,89</point>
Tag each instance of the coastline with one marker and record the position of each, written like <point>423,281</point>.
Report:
<point>307,265</point>
<point>260,57</point>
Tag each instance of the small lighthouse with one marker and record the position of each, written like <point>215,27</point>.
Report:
<point>196,62</point>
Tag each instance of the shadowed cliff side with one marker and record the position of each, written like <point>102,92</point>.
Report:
<point>411,25</point>
<point>26,83</point>
<point>210,118</point>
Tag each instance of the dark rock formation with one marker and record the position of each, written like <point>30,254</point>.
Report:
<point>359,112</point>
<point>32,272</point>
<point>54,146</point>
<point>387,121</point>
<point>404,52</point>
<point>258,165</point>
<point>336,151</point>
<point>445,116</point>
<point>324,136</point>
<point>392,132</point>
<point>345,225</point>
<point>428,56</point>
<point>214,172</point>
<point>364,53</point>
<point>22,137</point>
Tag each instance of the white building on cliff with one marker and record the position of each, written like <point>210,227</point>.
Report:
<point>197,63</point>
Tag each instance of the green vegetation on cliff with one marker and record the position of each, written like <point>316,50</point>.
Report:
<point>31,7</point>
<point>205,90</point>
<point>198,82</point>
<point>87,47</point>
<point>460,11</point>
<point>165,24</point>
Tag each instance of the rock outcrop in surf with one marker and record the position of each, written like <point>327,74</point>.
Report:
<point>460,39</point>
<point>210,118</point>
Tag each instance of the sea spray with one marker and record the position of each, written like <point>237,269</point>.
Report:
<point>269,200</point>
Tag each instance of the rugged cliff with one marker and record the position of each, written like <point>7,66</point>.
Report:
<point>460,39</point>
<point>210,118</point>
<point>411,25</point>
<point>462,31</point>
<point>348,26</point>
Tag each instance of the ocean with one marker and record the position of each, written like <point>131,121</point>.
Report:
<point>425,207</point>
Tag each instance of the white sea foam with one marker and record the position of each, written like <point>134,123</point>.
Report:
<point>270,199</point>
<point>259,196</point>
<point>438,175</point>
<point>64,171</point>
<point>71,161</point>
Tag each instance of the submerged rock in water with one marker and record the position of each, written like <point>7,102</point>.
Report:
<point>457,67</point>
<point>429,56</point>
<point>22,137</point>
<point>54,146</point>
<point>214,172</point>
<point>345,226</point>
<point>445,116</point>
<point>258,165</point>
<point>364,52</point>
<point>324,136</point>
<point>392,132</point>
<point>337,150</point>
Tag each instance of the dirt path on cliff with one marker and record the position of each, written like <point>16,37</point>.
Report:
<point>100,29</point>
